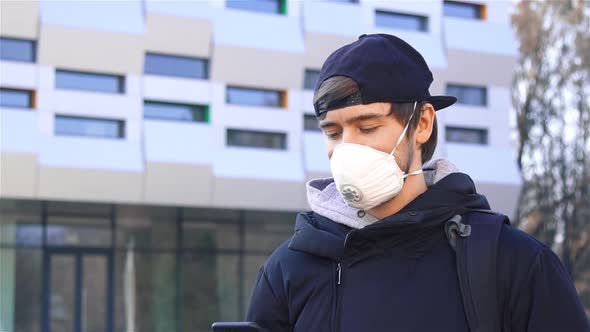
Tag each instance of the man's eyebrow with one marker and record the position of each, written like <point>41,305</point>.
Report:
<point>354,119</point>
<point>327,124</point>
<point>364,117</point>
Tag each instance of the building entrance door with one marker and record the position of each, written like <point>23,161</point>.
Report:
<point>77,290</point>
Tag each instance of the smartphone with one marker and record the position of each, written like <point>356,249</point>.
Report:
<point>235,327</point>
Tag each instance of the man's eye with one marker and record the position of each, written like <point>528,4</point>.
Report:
<point>368,130</point>
<point>332,135</point>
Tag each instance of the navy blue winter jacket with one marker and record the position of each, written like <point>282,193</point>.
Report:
<point>399,274</point>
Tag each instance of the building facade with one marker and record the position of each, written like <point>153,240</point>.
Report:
<point>154,153</point>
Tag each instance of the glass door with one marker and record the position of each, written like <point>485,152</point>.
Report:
<point>77,290</point>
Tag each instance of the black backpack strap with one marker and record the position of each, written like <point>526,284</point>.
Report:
<point>474,236</point>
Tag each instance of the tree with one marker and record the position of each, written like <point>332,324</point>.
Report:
<point>551,90</point>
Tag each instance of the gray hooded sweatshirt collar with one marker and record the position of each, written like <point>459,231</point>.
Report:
<point>324,199</point>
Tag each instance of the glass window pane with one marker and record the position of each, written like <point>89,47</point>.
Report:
<point>474,96</point>
<point>211,229</point>
<point>180,66</point>
<point>265,231</point>
<point>78,224</point>
<point>20,286</point>
<point>245,138</point>
<point>466,135</point>
<point>254,97</point>
<point>62,296</point>
<point>7,288</point>
<point>78,208</point>
<point>401,21</point>
<point>210,290</point>
<point>463,10</point>
<point>211,214</point>
<point>16,98</point>
<point>469,95</point>
<point>78,231</point>
<point>17,49</point>
<point>310,79</point>
<point>20,223</point>
<point>175,111</point>
<point>210,235</point>
<point>146,227</point>
<point>80,126</point>
<point>145,287</point>
<point>264,6</point>
<point>94,293</point>
<point>65,79</point>
<point>310,123</point>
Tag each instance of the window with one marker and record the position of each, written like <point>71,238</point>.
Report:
<point>401,21</point>
<point>256,139</point>
<point>255,97</point>
<point>466,135</point>
<point>81,126</point>
<point>311,78</point>
<point>179,66</point>
<point>263,6</point>
<point>74,80</point>
<point>175,111</point>
<point>17,49</point>
<point>310,123</point>
<point>464,10</point>
<point>469,95</point>
<point>16,98</point>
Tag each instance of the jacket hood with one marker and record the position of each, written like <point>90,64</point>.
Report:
<point>332,225</point>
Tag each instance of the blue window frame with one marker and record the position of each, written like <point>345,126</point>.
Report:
<point>469,94</point>
<point>310,79</point>
<point>256,139</point>
<point>463,10</point>
<point>75,80</point>
<point>401,21</point>
<point>255,97</point>
<point>14,49</point>
<point>91,127</point>
<point>178,66</point>
<point>466,135</point>
<point>262,6</point>
<point>175,111</point>
<point>16,98</point>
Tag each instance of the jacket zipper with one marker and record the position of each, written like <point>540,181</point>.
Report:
<point>337,298</point>
<point>338,292</point>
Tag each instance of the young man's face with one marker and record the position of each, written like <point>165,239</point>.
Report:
<point>371,125</point>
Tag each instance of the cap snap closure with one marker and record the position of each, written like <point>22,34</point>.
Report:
<point>361,213</point>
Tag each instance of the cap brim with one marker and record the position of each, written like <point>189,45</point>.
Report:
<point>440,102</point>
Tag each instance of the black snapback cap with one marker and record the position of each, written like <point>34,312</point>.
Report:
<point>385,68</point>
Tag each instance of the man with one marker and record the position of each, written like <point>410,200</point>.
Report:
<point>373,255</point>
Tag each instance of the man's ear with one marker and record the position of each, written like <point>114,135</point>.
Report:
<point>424,128</point>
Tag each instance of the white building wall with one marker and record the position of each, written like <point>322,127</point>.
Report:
<point>19,131</point>
<point>19,75</point>
<point>166,162</point>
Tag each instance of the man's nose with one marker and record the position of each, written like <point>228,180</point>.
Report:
<point>348,136</point>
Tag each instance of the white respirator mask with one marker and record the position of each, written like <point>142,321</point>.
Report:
<point>366,177</point>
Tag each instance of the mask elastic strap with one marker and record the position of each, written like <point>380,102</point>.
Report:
<point>399,140</point>
<point>416,172</point>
